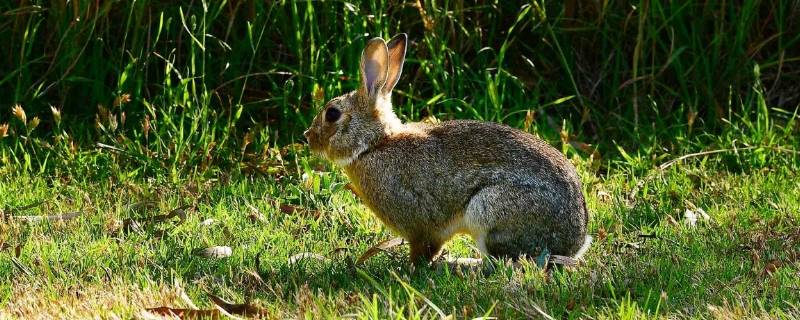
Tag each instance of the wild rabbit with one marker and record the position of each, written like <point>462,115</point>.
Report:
<point>511,192</point>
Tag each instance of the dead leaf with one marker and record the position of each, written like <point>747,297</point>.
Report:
<point>113,226</point>
<point>215,252</point>
<point>672,221</point>
<point>292,209</point>
<point>185,297</point>
<point>138,224</point>
<point>306,255</point>
<point>255,214</point>
<point>257,217</point>
<point>587,148</point>
<point>601,234</point>
<point>243,309</point>
<point>288,208</point>
<point>603,196</point>
<point>121,99</point>
<point>380,247</point>
<point>772,266</point>
<point>570,304</point>
<point>255,276</point>
<point>177,212</point>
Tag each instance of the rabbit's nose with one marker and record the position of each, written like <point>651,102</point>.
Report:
<point>307,134</point>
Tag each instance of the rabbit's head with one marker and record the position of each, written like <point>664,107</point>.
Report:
<point>350,124</point>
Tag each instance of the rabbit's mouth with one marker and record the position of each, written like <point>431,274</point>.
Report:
<point>316,147</point>
<point>318,144</point>
<point>317,150</point>
<point>313,140</point>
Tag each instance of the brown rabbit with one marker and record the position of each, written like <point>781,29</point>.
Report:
<point>511,192</point>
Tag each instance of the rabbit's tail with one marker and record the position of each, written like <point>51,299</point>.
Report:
<point>585,247</point>
<point>587,242</point>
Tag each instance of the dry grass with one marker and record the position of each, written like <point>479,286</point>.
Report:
<point>116,299</point>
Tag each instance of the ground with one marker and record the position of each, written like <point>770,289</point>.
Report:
<point>295,234</point>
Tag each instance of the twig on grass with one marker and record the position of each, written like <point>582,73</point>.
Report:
<point>657,237</point>
<point>668,164</point>
<point>21,267</point>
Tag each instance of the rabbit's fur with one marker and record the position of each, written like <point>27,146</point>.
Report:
<point>512,192</point>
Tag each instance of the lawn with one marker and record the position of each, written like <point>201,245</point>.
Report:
<point>295,234</point>
<point>151,159</point>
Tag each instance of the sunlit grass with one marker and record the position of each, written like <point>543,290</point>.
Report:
<point>126,110</point>
<point>647,259</point>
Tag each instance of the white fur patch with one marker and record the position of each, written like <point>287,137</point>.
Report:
<point>585,247</point>
<point>343,162</point>
<point>467,225</point>
<point>386,116</point>
<point>480,241</point>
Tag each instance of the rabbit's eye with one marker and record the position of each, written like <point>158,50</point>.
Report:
<point>332,114</point>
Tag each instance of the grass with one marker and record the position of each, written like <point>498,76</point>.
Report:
<point>128,110</point>
<point>646,261</point>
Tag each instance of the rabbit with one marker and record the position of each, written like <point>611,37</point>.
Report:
<point>514,194</point>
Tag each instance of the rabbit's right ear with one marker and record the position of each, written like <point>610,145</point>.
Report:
<point>374,66</point>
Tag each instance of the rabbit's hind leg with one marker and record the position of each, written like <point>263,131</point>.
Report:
<point>510,221</point>
<point>424,251</point>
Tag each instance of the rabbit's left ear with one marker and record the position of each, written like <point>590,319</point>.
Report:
<point>374,66</point>
<point>397,55</point>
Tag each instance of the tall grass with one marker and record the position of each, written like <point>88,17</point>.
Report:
<point>188,86</point>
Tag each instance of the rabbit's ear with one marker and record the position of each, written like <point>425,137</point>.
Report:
<point>374,66</point>
<point>397,55</point>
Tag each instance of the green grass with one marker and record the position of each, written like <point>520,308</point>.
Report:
<point>127,110</point>
<point>641,265</point>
